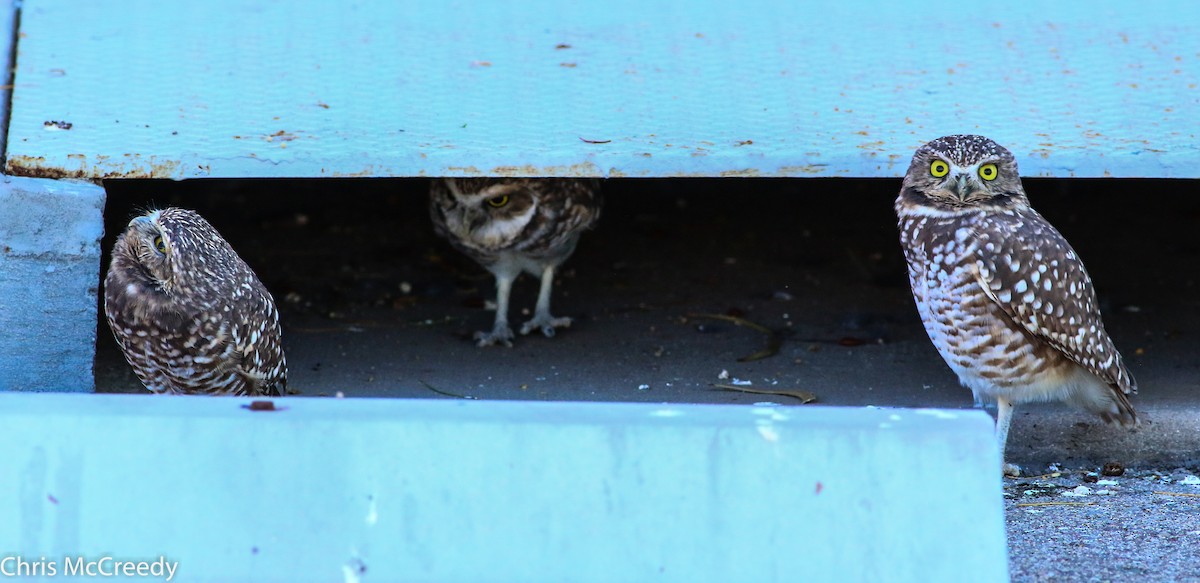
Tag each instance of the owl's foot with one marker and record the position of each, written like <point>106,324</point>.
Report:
<point>547,323</point>
<point>501,334</point>
<point>1010,470</point>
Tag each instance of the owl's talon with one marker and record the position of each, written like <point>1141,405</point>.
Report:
<point>1010,470</point>
<point>546,323</point>
<point>502,335</point>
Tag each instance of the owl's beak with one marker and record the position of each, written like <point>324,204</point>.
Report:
<point>962,187</point>
<point>144,223</point>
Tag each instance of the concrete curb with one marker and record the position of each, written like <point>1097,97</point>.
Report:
<point>421,490</point>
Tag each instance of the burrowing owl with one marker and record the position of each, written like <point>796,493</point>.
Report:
<point>189,314</point>
<point>515,225</point>
<point>1003,296</point>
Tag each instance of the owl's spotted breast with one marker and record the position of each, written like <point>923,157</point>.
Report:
<point>990,353</point>
<point>1008,304</point>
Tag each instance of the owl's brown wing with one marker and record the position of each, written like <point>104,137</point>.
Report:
<point>262,362</point>
<point>1030,271</point>
<point>567,207</point>
<point>581,203</point>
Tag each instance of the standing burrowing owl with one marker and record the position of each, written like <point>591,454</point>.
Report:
<point>189,314</point>
<point>515,225</point>
<point>1004,298</point>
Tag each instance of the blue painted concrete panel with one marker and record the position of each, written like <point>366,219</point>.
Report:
<point>671,87</point>
<point>49,273</point>
<point>400,490</point>
<point>8,23</point>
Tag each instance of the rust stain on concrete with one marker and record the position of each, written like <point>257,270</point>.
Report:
<point>82,167</point>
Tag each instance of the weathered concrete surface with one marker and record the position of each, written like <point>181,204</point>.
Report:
<point>49,274</point>
<point>429,490</point>
<point>618,89</point>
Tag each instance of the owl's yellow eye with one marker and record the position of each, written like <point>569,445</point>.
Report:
<point>939,168</point>
<point>160,245</point>
<point>498,201</point>
<point>988,171</point>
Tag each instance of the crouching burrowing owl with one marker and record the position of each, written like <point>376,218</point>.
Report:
<point>516,225</point>
<point>1003,296</point>
<point>189,314</point>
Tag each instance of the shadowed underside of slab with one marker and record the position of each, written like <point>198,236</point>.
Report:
<point>504,491</point>
<point>275,88</point>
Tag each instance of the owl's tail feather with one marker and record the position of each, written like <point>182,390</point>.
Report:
<point>1125,415</point>
<point>1091,393</point>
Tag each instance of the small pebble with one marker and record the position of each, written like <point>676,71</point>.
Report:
<point>1078,492</point>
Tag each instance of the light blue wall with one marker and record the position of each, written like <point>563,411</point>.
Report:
<point>503,491</point>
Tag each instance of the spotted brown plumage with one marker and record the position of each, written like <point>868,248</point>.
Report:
<point>516,225</point>
<point>189,315</point>
<point>1003,296</point>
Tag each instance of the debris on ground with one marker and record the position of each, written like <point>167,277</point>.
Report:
<point>446,393</point>
<point>805,397</point>
<point>774,339</point>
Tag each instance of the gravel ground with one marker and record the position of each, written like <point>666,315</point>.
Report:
<point>1081,525</point>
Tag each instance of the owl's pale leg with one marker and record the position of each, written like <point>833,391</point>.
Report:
<point>500,331</point>
<point>541,316</point>
<point>1004,411</point>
